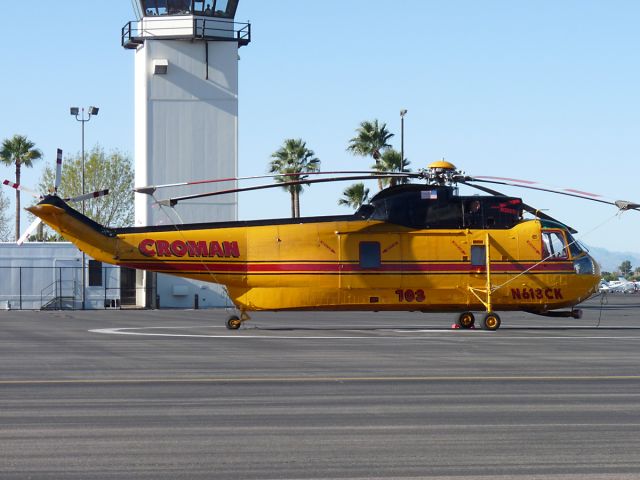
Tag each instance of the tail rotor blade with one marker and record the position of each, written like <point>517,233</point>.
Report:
<point>88,196</point>
<point>21,188</point>
<point>58,169</point>
<point>29,231</point>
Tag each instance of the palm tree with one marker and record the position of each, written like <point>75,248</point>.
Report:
<point>354,196</point>
<point>293,158</point>
<point>391,161</point>
<point>19,151</point>
<point>370,140</point>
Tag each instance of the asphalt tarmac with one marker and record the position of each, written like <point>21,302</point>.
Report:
<point>174,395</point>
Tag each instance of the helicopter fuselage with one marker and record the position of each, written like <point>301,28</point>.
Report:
<point>357,263</point>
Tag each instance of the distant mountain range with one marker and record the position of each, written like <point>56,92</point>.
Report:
<point>610,261</point>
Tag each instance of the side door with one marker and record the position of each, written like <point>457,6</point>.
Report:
<point>128,287</point>
<point>371,267</point>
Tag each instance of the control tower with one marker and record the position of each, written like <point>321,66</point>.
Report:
<point>186,103</point>
<point>186,124</point>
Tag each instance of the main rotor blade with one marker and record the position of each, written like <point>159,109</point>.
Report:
<point>152,188</point>
<point>58,170</point>
<point>570,192</point>
<point>29,231</point>
<point>173,201</point>
<point>22,188</point>
<point>527,208</point>
<point>88,196</point>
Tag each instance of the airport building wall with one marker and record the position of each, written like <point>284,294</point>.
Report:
<point>48,275</point>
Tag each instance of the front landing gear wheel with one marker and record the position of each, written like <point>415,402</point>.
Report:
<point>491,321</point>
<point>466,320</point>
<point>233,323</point>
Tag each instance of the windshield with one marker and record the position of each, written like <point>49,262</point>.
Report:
<point>575,247</point>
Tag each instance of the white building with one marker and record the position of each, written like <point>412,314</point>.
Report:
<point>48,275</point>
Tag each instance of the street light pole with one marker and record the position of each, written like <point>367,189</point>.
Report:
<point>403,112</point>
<point>80,117</point>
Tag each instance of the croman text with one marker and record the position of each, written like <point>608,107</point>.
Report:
<point>189,248</point>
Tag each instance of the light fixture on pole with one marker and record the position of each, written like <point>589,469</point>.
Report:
<point>403,112</point>
<point>80,117</point>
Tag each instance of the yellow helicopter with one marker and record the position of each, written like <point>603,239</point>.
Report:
<point>414,247</point>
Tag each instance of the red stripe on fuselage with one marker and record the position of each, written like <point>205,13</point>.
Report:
<point>239,267</point>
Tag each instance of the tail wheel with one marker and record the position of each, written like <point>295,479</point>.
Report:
<point>466,320</point>
<point>492,321</point>
<point>233,323</point>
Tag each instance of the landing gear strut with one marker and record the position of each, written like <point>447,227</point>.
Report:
<point>491,319</point>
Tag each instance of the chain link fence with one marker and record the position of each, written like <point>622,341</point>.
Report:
<point>60,288</point>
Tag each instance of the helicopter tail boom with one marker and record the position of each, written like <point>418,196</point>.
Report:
<point>89,236</point>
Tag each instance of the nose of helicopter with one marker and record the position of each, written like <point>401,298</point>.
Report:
<point>588,269</point>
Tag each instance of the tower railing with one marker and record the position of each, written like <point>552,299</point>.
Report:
<point>135,33</point>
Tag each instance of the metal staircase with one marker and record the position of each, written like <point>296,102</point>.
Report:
<point>58,296</point>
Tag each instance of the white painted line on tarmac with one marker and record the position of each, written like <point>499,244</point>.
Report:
<point>412,334</point>
<point>342,379</point>
<point>239,335</point>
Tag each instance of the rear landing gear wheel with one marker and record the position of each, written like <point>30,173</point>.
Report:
<point>492,321</point>
<point>466,320</point>
<point>233,323</point>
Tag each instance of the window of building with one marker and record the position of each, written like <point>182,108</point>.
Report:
<point>95,273</point>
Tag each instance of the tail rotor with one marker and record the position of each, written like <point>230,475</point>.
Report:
<point>34,225</point>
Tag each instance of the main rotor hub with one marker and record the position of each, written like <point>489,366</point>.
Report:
<point>441,165</point>
<point>441,172</point>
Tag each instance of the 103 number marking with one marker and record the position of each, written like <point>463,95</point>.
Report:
<point>408,295</point>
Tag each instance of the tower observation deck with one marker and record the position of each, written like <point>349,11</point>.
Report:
<point>187,20</point>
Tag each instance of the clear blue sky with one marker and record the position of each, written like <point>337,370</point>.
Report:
<point>541,90</point>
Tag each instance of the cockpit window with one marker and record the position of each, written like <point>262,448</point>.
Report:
<point>553,245</point>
